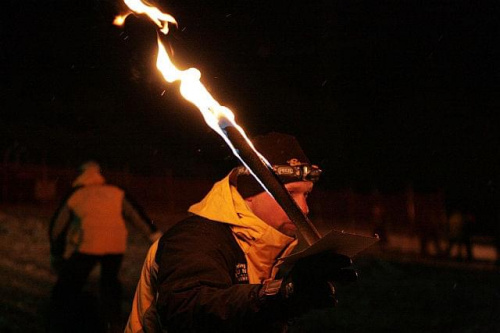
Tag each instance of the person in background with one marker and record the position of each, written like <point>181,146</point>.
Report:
<point>428,228</point>
<point>90,224</point>
<point>379,225</point>
<point>217,270</point>
<point>467,233</point>
<point>460,231</point>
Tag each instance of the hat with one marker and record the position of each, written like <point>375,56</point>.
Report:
<point>287,158</point>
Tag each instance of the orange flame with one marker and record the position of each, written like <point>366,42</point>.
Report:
<point>139,7</point>
<point>120,19</point>
<point>216,116</point>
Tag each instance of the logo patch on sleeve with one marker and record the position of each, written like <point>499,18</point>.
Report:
<point>241,273</point>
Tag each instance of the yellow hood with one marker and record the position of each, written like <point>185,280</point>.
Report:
<point>261,243</point>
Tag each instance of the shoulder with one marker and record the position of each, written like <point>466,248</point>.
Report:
<point>196,228</point>
<point>200,235</point>
<point>69,194</point>
<point>111,187</point>
<point>200,225</point>
<point>197,249</point>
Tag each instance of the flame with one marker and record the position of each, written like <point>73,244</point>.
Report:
<point>120,19</point>
<point>139,7</point>
<point>218,117</point>
<point>215,115</point>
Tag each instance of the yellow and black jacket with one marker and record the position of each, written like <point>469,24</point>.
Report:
<point>210,270</point>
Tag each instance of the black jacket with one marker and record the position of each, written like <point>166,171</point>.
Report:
<point>203,286</point>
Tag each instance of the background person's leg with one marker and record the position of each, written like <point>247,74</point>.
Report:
<point>111,290</point>
<point>66,293</point>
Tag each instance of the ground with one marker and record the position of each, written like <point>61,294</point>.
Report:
<point>397,291</point>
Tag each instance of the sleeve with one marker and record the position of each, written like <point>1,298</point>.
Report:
<point>134,214</point>
<point>58,230</point>
<point>143,316</point>
<point>196,287</point>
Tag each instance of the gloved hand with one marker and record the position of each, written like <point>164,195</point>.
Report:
<point>310,284</point>
<point>56,263</point>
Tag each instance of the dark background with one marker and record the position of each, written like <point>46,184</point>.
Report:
<point>381,94</point>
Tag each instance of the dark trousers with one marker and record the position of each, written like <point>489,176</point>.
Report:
<point>66,313</point>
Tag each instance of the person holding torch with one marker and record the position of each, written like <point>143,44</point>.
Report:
<point>217,270</point>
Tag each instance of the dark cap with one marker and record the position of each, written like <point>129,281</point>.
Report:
<point>286,156</point>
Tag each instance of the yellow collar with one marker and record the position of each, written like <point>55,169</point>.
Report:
<point>261,243</point>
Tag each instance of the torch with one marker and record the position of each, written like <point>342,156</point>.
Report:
<point>221,120</point>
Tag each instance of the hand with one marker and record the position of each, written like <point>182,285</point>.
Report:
<point>310,284</point>
<point>324,266</point>
<point>56,263</point>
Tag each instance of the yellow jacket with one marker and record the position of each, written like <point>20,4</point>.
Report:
<point>92,219</point>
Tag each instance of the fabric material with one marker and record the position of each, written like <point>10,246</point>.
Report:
<point>60,233</point>
<point>143,316</point>
<point>202,282</point>
<point>99,210</point>
<point>212,265</point>
<point>261,243</point>
<point>92,217</point>
<point>278,149</point>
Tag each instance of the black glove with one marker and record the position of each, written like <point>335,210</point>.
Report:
<point>310,284</point>
<point>56,263</point>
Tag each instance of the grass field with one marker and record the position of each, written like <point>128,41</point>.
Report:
<point>395,293</point>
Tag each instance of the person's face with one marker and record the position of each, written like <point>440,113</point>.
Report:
<point>269,211</point>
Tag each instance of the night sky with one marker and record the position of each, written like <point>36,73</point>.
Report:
<point>381,94</point>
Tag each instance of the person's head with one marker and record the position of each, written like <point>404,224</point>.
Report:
<point>294,170</point>
<point>89,173</point>
<point>89,165</point>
